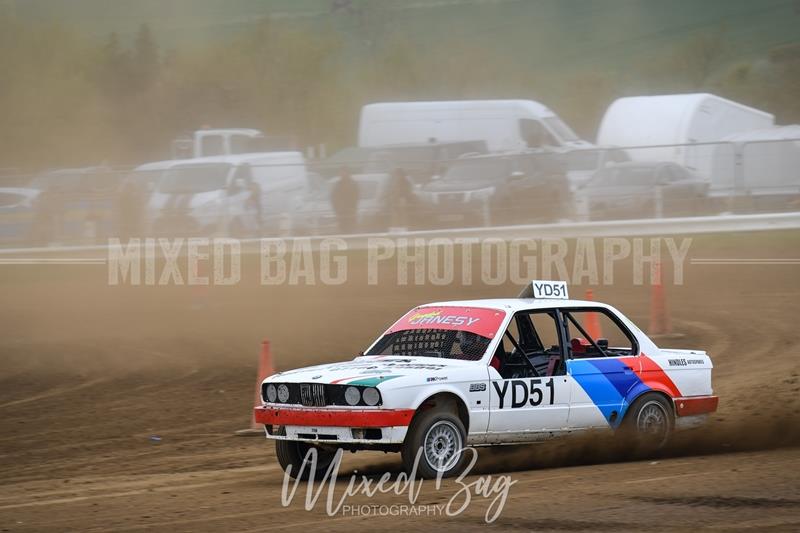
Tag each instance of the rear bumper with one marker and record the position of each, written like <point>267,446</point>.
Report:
<point>696,405</point>
<point>351,418</point>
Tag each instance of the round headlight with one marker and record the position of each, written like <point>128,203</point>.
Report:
<point>272,393</point>
<point>352,396</point>
<point>371,396</point>
<point>283,393</point>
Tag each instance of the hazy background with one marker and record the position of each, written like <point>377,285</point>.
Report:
<point>87,82</point>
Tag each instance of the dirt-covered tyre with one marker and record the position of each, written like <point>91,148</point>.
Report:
<point>439,437</point>
<point>649,422</point>
<point>293,453</point>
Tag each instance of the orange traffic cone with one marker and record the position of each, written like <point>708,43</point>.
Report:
<point>659,317</point>
<point>265,369</point>
<point>592,324</point>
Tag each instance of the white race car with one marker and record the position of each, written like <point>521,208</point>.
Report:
<point>471,373</point>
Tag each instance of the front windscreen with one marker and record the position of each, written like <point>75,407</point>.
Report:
<point>445,332</point>
<point>561,129</point>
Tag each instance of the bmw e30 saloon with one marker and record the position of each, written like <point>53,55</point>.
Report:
<point>449,375</point>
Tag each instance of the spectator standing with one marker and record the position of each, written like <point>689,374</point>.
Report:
<point>344,199</point>
<point>400,196</point>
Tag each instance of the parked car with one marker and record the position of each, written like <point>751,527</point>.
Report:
<point>642,189</point>
<point>75,205</point>
<point>421,161</point>
<point>204,199</point>
<point>491,190</point>
<point>242,195</point>
<point>17,215</point>
<point>583,163</point>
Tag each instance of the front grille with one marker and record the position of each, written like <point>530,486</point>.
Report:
<point>312,394</point>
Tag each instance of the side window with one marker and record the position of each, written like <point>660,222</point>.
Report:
<point>531,346</point>
<point>533,133</point>
<point>546,329</point>
<point>212,145</point>
<point>594,333</point>
<point>238,144</point>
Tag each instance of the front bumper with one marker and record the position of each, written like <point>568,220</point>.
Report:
<point>353,418</point>
<point>367,427</point>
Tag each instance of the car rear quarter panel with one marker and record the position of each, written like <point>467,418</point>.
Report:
<point>690,371</point>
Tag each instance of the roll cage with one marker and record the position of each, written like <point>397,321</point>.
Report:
<point>529,357</point>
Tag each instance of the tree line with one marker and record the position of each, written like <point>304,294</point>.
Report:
<point>68,100</point>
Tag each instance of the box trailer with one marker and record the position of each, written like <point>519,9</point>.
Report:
<point>761,164</point>
<point>671,124</point>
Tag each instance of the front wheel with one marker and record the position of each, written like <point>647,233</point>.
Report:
<point>435,444</point>
<point>291,455</point>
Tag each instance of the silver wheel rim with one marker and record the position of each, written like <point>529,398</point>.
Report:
<point>442,446</point>
<point>652,421</point>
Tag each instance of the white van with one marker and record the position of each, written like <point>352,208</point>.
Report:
<point>238,195</point>
<point>677,119</point>
<point>505,125</point>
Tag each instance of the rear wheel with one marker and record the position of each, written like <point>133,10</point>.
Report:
<point>650,422</point>
<point>438,437</point>
<point>291,455</point>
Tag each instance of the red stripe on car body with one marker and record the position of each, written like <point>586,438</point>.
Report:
<point>655,377</point>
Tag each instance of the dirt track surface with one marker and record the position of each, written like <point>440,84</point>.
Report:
<point>120,417</point>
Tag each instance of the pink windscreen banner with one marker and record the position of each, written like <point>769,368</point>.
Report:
<point>478,320</point>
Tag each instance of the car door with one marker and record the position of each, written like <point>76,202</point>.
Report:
<point>523,404</point>
<point>602,365</point>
